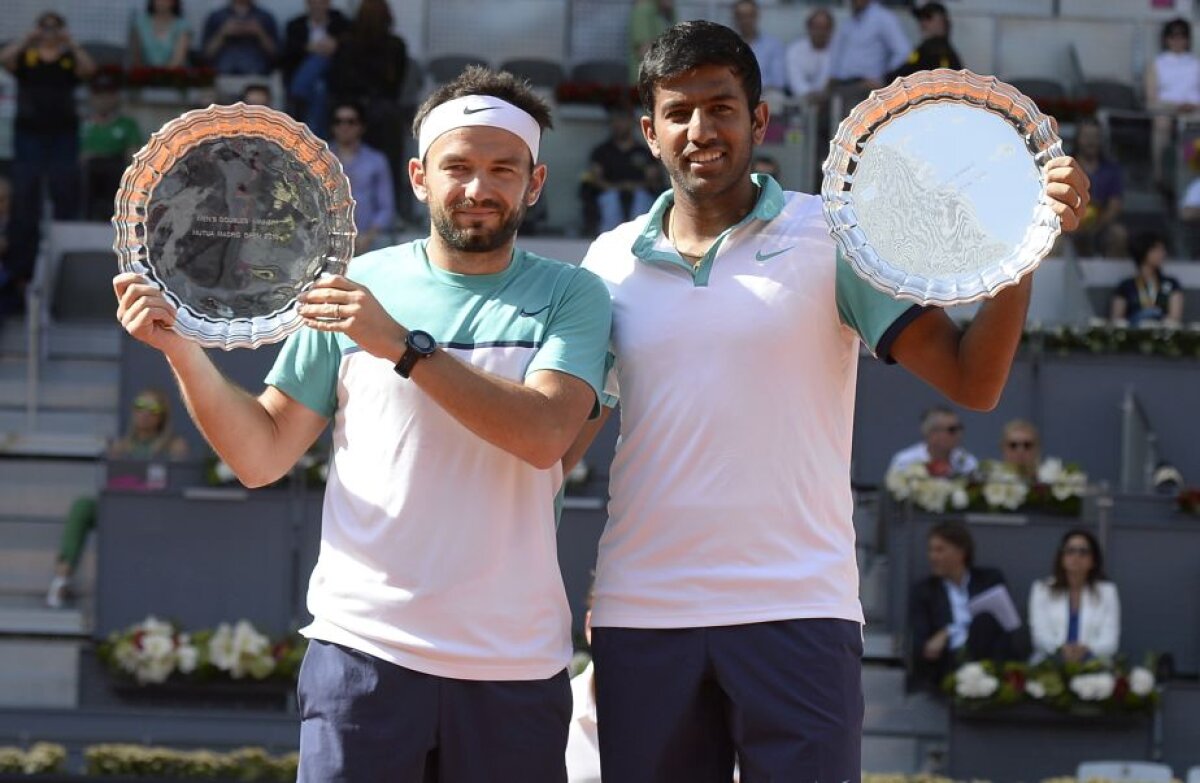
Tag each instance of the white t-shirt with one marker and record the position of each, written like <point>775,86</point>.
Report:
<point>730,488</point>
<point>439,550</point>
<point>1178,77</point>
<point>583,741</point>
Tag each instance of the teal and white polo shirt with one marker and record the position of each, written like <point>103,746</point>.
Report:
<point>730,491</point>
<point>438,549</point>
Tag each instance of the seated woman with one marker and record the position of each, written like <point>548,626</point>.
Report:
<point>1172,87</point>
<point>159,38</point>
<point>944,633</point>
<point>1150,295</point>
<point>1020,448</point>
<point>1075,614</point>
<point>149,438</point>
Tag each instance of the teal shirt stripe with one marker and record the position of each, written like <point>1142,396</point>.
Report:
<point>865,309</point>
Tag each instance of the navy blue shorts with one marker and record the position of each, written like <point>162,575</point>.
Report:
<point>783,698</point>
<point>364,720</point>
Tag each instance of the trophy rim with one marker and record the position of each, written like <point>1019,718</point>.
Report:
<point>173,141</point>
<point>884,106</point>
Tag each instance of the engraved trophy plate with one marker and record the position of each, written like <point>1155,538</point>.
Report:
<point>233,211</point>
<point>933,187</point>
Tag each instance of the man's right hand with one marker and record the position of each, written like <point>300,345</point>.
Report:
<point>145,312</point>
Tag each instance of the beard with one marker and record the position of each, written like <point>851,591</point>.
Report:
<point>471,238</point>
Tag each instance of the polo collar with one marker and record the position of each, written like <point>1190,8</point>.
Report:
<point>652,246</point>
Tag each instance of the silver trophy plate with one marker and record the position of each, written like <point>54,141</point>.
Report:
<point>233,211</point>
<point>933,187</point>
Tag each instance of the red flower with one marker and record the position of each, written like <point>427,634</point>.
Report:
<point>1016,679</point>
<point>1121,688</point>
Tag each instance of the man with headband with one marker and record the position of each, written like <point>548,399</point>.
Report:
<point>457,370</point>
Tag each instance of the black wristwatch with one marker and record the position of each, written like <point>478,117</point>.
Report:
<point>418,345</point>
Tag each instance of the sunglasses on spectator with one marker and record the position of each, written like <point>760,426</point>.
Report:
<point>1021,444</point>
<point>345,120</point>
<point>953,429</point>
<point>147,405</point>
<point>1077,550</point>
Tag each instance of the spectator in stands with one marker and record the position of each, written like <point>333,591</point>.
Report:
<point>256,94</point>
<point>148,438</point>
<point>867,45</point>
<point>1100,232</point>
<point>940,451</point>
<point>1172,87</point>
<point>160,37</point>
<point>241,39</point>
<point>48,65</point>
<point>368,68</point>
<point>944,632</point>
<point>768,49</point>
<point>109,140</point>
<point>807,59</point>
<point>1148,296</point>
<point>648,19</point>
<point>370,178</point>
<point>935,50</point>
<point>309,43</point>
<point>1075,614</point>
<point>617,183</point>
<point>1021,448</point>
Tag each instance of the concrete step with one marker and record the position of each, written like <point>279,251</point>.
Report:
<point>28,551</point>
<point>20,443</point>
<point>883,685</point>
<point>39,672</point>
<point>71,384</point>
<point>65,341</point>
<point>102,424</point>
<point>24,615</point>
<point>891,755</point>
<point>45,488</point>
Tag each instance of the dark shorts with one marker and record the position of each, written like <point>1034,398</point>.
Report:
<point>784,698</point>
<point>364,720</point>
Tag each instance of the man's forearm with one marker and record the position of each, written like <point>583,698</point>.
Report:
<point>990,342</point>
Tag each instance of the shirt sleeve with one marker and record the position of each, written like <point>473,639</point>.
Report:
<point>877,317</point>
<point>577,334</point>
<point>899,47</point>
<point>383,200</point>
<point>307,370</point>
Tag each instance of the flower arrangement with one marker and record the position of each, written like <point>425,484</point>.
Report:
<point>1099,336</point>
<point>1094,686</point>
<point>166,763</point>
<point>154,651</point>
<point>1058,487</point>
<point>43,758</point>
<point>596,93</point>
<point>178,78</point>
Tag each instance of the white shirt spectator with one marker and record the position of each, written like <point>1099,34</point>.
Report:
<point>1191,196</point>
<point>583,743</point>
<point>770,54</point>
<point>867,45</point>
<point>807,68</point>
<point>1178,77</point>
<point>962,463</point>
<point>1099,619</point>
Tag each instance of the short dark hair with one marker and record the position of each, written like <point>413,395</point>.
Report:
<point>691,45</point>
<point>1141,243</point>
<point>477,80</point>
<point>956,534</point>
<point>1095,573</point>
<point>347,103</point>
<point>1177,25</point>
<point>176,7</point>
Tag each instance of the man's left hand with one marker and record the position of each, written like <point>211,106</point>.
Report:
<point>337,304</point>
<point>1069,189</point>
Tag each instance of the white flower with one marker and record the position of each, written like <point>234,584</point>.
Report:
<point>241,650</point>
<point>959,498</point>
<point>1005,494</point>
<point>901,480</point>
<point>220,648</point>
<point>1035,689</point>
<point>1093,687</point>
<point>1050,471</point>
<point>187,654</point>
<point>155,646</point>
<point>972,681</point>
<point>932,494</point>
<point>1141,681</point>
<point>224,473</point>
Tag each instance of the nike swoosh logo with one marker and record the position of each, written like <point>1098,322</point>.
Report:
<point>469,110</point>
<point>762,257</point>
<point>526,313</point>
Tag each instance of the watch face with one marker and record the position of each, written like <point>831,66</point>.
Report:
<point>422,341</point>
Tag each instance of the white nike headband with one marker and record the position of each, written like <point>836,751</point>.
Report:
<point>473,110</point>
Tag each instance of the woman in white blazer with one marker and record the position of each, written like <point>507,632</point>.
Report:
<point>1075,614</point>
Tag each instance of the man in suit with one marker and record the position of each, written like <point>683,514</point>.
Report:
<point>943,631</point>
